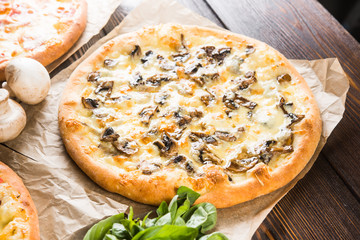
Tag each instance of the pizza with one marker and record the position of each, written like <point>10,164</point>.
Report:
<point>171,105</point>
<point>18,217</point>
<point>42,30</point>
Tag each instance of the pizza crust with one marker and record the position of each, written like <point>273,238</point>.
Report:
<point>10,177</point>
<point>53,52</point>
<point>152,189</point>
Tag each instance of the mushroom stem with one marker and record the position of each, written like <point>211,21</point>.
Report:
<point>4,103</point>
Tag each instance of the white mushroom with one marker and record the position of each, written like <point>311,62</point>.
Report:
<point>12,117</point>
<point>6,86</point>
<point>28,79</point>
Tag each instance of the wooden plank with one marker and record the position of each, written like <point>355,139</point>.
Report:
<point>319,206</point>
<point>291,218</point>
<point>304,29</point>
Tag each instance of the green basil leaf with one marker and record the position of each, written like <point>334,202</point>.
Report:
<point>187,193</point>
<point>131,226</point>
<point>162,209</point>
<point>167,232</point>
<point>143,222</point>
<point>166,219</point>
<point>99,230</point>
<point>120,231</point>
<point>150,222</point>
<point>183,209</point>
<point>202,216</point>
<point>214,236</point>
<point>173,206</point>
<point>179,222</point>
<point>110,237</point>
<point>131,214</point>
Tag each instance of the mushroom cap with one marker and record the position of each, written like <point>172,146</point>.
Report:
<point>28,79</point>
<point>12,117</point>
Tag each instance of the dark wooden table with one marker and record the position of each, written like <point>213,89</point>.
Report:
<point>326,203</point>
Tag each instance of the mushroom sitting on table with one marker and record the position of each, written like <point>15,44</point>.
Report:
<point>28,79</point>
<point>12,117</point>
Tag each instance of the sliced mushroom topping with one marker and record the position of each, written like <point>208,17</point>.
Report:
<point>284,78</point>
<point>220,54</point>
<point>147,56</point>
<point>167,145</point>
<point>189,167</point>
<point>136,80</point>
<point>206,157</point>
<point>281,105</point>
<point>205,78</point>
<point>148,168</point>
<point>216,54</point>
<point>265,153</point>
<point>195,113</point>
<point>146,113</point>
<point>229,113</point>
<point>90,103</point>
<point>110,63</point>
<point>93,76</point>
<point>206,99</point>
<point>244,83</point>
<point>178,133</point>
<point>281,150</point>
<point>136,51</point>
<point>105,87</point>
<point>183,43</point>
<point>178,158</point>
<point>183,162</point>
<point>225,136</point>
<point>156,80</point>
<point>152,132</point>
<point>249,49</point>
<point>195,136</point>
<point>109,135</point>
<point>192,68</point>
<point>118,97</point>
<point>208,51</point>
<point>180,57</point>
<point>180,118</point>
<point>294,118</point>
<point>126,146</point>
<point>241,129</point>
<point>234,101</point>
<point>160,98</point>
<point>242,165</point>
<point>245,102</point>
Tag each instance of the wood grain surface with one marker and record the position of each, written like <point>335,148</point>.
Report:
<point>326,203</point>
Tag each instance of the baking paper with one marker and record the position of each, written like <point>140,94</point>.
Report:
<point>69,201</point>
<point>98,14</point>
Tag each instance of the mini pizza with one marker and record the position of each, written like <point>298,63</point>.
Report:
<point>18,217</point>
<point>42,30</point>
<point>170,105</point>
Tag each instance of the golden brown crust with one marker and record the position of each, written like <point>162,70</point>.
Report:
<point>10,177</point>
<point>52,52</point>
<point>152,189</point>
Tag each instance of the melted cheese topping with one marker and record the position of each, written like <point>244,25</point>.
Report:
<point>27,26</point>
<point>217,104</point>
<point>14,223</point>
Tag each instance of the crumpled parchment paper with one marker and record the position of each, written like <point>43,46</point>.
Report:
<point>98,13</point>
<point>68,202</point>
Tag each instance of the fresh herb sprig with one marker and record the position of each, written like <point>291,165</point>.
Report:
<point>179,220</point>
